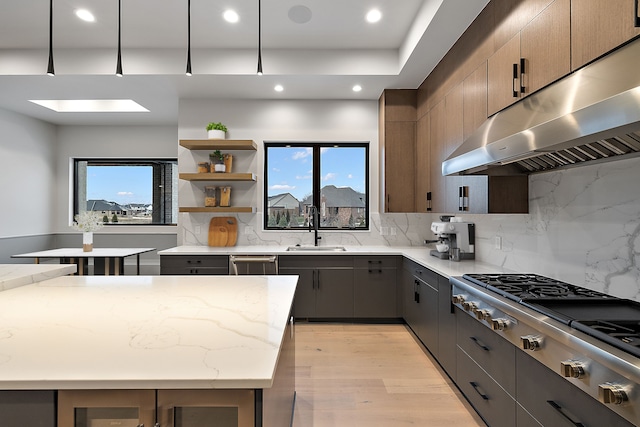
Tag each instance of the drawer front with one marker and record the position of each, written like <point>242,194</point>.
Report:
<point>554,401</point>
<point>422,272</point>
<point>494,405</point>
<point>186,271</point>
<point>375,293</point>
<point>315,261</point>
<point>375,262</point>
<point>195,261</point>
<point>495,354</point>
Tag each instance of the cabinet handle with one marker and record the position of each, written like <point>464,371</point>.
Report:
<point>479,344</point>
<point>460,199</point>
<point>522,61</point>
<point>318,276</point>
<point>313,279</point>
<point>388,203</point>
<point>478,390</point>
<point>465,198</point>
<point>416,291</point>
<point>374,262</point>
<point>375,271</point>
<point>562,412</point>
<point>637,15</point>
<point>429,196</point>
<point>515,81</point>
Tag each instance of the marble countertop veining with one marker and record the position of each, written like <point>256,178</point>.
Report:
<point>95,332</point>
<point>16,275</point>
<point>419,254</point>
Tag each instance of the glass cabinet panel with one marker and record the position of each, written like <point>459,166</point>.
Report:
<point>106,408</point>
<point>206,407</point>
<point>203,416</point>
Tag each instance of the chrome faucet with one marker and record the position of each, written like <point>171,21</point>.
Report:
<point>314,215</point>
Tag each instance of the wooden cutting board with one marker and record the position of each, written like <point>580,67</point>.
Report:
<point>223,231</point>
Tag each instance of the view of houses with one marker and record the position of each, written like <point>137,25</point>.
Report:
<point>340,207</point>
<point>133,213</point>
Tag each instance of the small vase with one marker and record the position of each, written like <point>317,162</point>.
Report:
<point>216,134</point>
<point>87,241</point>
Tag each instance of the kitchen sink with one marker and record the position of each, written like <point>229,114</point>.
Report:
<point>317,248</point>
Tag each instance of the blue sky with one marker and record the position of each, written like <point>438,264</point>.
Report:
<point>120,184</point>
<point>290,169</point>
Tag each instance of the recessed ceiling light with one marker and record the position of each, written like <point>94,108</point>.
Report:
<point>278,88</point>
<point>85,15</point>
<point>231,16</point>
<point>91,105</point>
<point>357,88</point>
<point>374,15</point>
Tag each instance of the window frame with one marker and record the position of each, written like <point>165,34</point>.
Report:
<point>122,161</point>
<point>316,180</point>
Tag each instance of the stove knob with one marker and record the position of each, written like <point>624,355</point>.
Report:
<point>530,342</point>
<point>612,393</point>
<point>483,314</point>
<point>572,369</point>
<point>457,299</point>
<point>499,324</point>
<point>469,305</point>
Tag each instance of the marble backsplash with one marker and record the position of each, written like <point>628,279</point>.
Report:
<point>583,227</point>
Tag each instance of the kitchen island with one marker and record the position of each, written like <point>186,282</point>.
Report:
<point>16,275</point>
<point>159,341</point>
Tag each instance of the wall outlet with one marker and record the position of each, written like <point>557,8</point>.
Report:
<point>392,231</point>
<point>497,242</point>
<point>196,229</point>
<point>384,231</point>
<point>248,230</point>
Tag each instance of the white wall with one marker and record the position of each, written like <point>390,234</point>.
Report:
<point>27,164</point>
<point>268,120</point>
<point>143,142</point>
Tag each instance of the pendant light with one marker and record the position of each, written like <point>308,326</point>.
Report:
<point>259,38</point>
<point>50,70</point>
<point>189,38</point>
<point>119,63</point>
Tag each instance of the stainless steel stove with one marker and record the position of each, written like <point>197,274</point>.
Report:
<point>590,338</point>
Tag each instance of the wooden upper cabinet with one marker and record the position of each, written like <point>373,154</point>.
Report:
<point>437,155</point>
<point>423,165</point>
<point>536,56</point>
<point>474,100</point>
<point>545,45</point>
<point>397,139</point>
<point>599,26</point>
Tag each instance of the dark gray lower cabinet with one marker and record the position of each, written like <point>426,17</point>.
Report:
<point>420,298</point>
<point>553,401</point>
<point>375,287</point>
<point>325,286</point>
<point>446,328</point>
<point>194,264</point>
<point>33,408</point>
<point>486,371</point>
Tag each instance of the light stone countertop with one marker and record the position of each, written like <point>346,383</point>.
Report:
<point>15,275</point>
<point>419,254</point>
<point>127,332</point>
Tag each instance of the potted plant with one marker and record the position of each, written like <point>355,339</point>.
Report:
<point>88,222</point>
<point>216,130</point>
<point>217,161</point>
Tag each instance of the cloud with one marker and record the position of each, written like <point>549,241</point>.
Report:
<point>276,170</point>
<point>350,176</point>
<point>303,176</point>
<point>302,154</point>
<point>125,193</point>
<point>330,176</point>
<point>282,187</point>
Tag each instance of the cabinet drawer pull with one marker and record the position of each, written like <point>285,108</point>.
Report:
<point>374,262</point>
<point>562,412</point>
<point>637,15</point>
<point>460,198</point>
<point>375,271</point>
<point>318,276</point>
<point>429,199</point>
<point>522,61</point>
<point>479,344</point>
<point>478,390</point>
<point>515,81</point>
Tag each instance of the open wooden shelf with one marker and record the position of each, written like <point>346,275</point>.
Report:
<point>219,144</point>
<point>220,176</point>
<point>219,209</point>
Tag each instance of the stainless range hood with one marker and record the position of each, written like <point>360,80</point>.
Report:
<point>592,114</point>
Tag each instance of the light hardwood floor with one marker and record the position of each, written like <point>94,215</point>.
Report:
<point>372,376</point>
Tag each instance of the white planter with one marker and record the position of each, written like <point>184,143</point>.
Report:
<point>216,134</point>
<point>87,241</point>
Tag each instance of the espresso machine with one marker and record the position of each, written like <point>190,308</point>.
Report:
<point>456,239</point>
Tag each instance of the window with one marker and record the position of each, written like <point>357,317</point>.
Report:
<point>333,177</point>
<point>128,191</point>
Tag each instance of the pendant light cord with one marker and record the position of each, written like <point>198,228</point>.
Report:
<point>188,38</point>
<point>259,37</point>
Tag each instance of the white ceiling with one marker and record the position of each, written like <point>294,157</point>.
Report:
<point>320,59</point>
